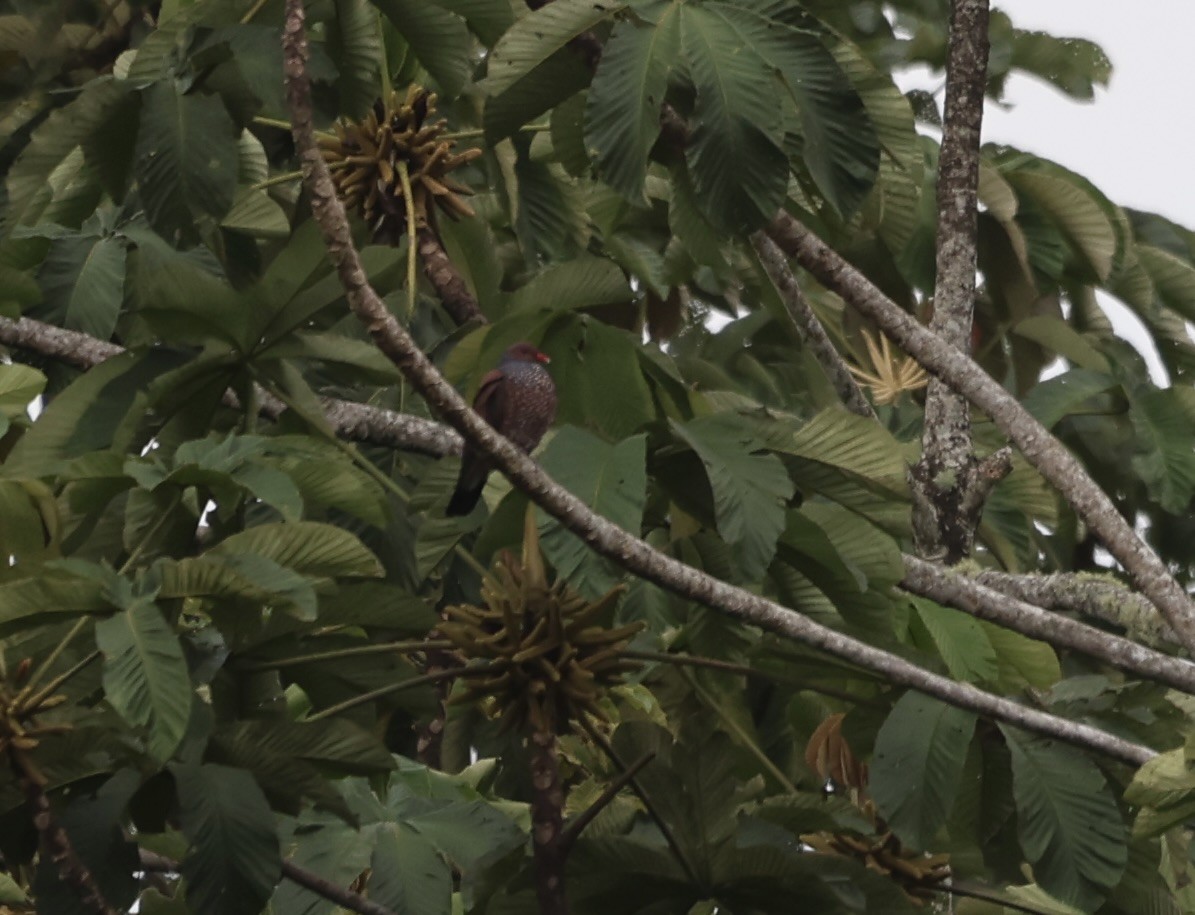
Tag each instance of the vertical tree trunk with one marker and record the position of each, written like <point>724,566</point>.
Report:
<point>949,484</point>
<point>547,824</point>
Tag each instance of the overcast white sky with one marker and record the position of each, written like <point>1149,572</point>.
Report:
<point>1136,141</point>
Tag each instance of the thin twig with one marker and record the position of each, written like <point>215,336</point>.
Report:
<point>404,177</point>
<point>390,689</point>
<point>809,329</point>
<point>337,654</point>
<point>606,747</point>
<point>576,826</point>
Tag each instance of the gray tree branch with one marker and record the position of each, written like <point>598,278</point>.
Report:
<point>809,329</point>
<point>1097,596</point>
<point>972,596</point>
<point>1051,458</point>
<point>354,421</point>
<point>600,534</point>
<point>948,485</point>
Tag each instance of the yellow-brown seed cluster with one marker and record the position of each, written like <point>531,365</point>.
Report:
<point>829,755</point>
<point>366,158</point>
<point>18,706</point>
<point>548,662</point>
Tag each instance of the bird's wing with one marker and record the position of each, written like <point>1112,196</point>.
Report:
<point>491,398</point>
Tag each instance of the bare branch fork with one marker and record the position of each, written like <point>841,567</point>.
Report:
<point>601,535</point>
<point>1049,456</point>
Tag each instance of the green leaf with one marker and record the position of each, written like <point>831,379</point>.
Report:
<point>1068,823</point>
<point>1056,398</point>
<point>409,877</point>
<point>918,764</point>
<point>20,385</point>
<point>439,39</point>
<point>960,640</point>
<point>56,138</point>
<point>1022,660</point>
<point>234,860</point>
<point>1078,210</point>
<point>355,43</point>
<point>291,760</point>
<point>612,480</point>
<point>82,282</point>
<point>1073,65</point>
<point>307,547</point>
<point>735,151</point>
<point>598,377</point>
<point>560,77</point>
<point>622,116</point>
<point>1165,458</point>
<point>581,283</point>
<point>488,19</point>
<point>255,213</point>
<point>750,489</point>
<point>539,35</point>
<point>145,674</point>
<point>838,144</point>
<point>187,157</point>
<point>1173,278</point>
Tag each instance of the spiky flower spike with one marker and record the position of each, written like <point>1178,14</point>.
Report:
<point>552,661</point>
<point>366,156</point>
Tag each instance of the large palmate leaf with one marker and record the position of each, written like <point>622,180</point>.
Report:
<point>750,489</point>
<point>1165,458</point>
<point>622,116</point>
<point>52,142</point>
<point>539,35</point>
<point>837,142</point>
<point>918,764</point>
<point>187,154</point>
<point>1067,820</point>
<point>438,38</point>
<point>356,46</point>
<point>735,151</point>
<point>234,860</point>
<point>82,280</point>
<point>612,480</point>
<point>145,674</point>
<point>307,547</point>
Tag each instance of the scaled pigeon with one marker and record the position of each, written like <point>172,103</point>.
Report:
<point>518,399</point>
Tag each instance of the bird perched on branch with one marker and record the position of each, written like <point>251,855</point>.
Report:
<point>518,399</point>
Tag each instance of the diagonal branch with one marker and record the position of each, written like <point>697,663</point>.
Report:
<point>346,899</point>
<point>1097,596</point>
<point>600,534</point>
<point>969,595</point>
<point>1049,456</point>
<point>809,328</point>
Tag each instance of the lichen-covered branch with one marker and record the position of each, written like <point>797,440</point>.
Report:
<point>600,534</point>
<point>948,484</point>
<point>1098,596</point>
<point>946,586</point>
<point>1049,456</point>
<point>808,327</point>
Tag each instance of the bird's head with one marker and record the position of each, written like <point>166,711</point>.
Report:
<point>524,352</point>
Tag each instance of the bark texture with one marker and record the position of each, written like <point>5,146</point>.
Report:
<point>949,484</point>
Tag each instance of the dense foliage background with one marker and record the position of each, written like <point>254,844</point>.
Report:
<point>232,604</point>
